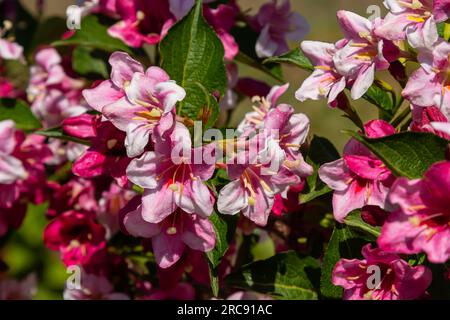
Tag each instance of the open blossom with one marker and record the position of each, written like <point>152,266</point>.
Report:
<point>361,53</point>
<point>135,101</point>
<point>173,177</point>
<point>78,237</point>
<point>421,220</point>
<point>429,85</point>
<point>106,156</point>
<point>171,235</point>
<point>11,289</point>
<point>93,287</point>
<point>359,178</point>
<point>276,24</point>
<point>325,81</point>
<point>53,94</point>
<point>408,18</point>
<point>399,280</point>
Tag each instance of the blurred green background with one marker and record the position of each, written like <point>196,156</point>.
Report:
<point>25,252</point>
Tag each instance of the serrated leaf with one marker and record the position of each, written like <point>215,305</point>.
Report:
<point>20,113</point>
<point>285,276</point>
<point>193,56</point>
<point>345,243</point>
<point>407,154</point>
<point>295,57</point>
<point>93,34</point>
<point>85,63</point>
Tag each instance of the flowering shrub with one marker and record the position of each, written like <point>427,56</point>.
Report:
<point>118,156</point>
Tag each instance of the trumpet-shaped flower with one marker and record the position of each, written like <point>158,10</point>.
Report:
<point>359,178</point>
<point>421,221</point>
<point>397,279</point>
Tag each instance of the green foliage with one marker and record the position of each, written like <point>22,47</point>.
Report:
<point>286,276</point>
<point>407,154</point>
<point>93,34</point>
<point>20,113</point>
<point>192,55</point>
<point>85,62</point>
<point>294,57</point>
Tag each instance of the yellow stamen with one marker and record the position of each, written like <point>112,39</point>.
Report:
<point>171,230</point>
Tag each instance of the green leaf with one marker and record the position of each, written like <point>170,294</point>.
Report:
<point>270,70</point>
<point>86,63</point>
<point>345,243</point>
<point>225,228</point>
<point>355,221</point>
<point>20,113</point>
<point>380,98</point>
<point>193,56</point>
<point>406,154</point>
<point>93,34</point>
<point>321,151</point>
<point>16,72</point>
<point>285,276</point>
<point>294,57</point>
<point>49,30</point>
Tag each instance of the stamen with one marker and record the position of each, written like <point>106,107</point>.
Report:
<point>171,230</point>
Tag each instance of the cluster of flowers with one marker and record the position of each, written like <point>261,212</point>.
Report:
<point>414,214</point>
<point>138,185</point>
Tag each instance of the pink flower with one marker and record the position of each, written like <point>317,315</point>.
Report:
<point>325,81</point>
<point>408,18</point>
<point>429,85</point>
<point>107,154</point>
<point>361,53</point>
<point>421,219</point>
<point>141,21</point>
<point>135,102</point>
<point>359,178</point>
<point>399,281</point>
<point>54,95</point>
<point>22,170</point>
<point>172,176</point>
<point>79,239</point>
<point>425,120</point>
<point>110,204</point>
<point>10,50</point>
<point>93,287</point>
<point>11,289</point>
<point>171,235</point>
<point>288,203</point>
<point>276,24</point>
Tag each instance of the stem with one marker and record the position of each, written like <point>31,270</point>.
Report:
<point>243,58</point>
<point>401,117</point>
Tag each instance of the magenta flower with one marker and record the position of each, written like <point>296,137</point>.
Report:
<point>135,102</point>
<point>421,221</point>
<point>171,235</point>
<point>362,52</point>
<point>10,50</point>
<point>276,24</point>
<point>106,156</point>
<point>172,179</point>
<point>408,18</point>
<point>430,119</point>
<point>398,280</point>
<point>359,178</point>
<point>79,239</point>
<point>141,21</point>
<point>429,85</point>
<point>325,81</point>
<point>93,287</point>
